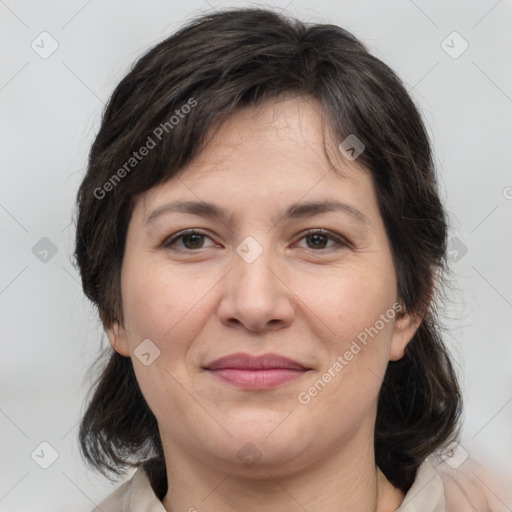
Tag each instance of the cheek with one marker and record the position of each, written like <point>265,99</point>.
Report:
<point>165,305</point>
<point>355,341</point>
<point>348,304</point>
<point>165,308</point>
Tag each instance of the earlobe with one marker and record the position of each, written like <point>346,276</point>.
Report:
<point>117,337</point>
<point>405,328</point>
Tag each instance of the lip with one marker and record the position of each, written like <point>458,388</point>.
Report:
<point>256,372</point>
<point>242,361</point>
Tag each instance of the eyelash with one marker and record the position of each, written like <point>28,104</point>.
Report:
<point>340,241</point>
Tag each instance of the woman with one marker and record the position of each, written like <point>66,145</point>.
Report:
<point>260,229</point>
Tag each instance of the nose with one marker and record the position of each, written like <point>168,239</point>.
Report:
<point>255,295</point>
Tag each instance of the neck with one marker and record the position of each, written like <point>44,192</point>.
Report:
<point>342,482</point>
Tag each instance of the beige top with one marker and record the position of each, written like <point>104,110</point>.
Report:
<point>437,488</point>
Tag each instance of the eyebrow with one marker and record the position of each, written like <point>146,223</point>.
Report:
<point>298,210</point>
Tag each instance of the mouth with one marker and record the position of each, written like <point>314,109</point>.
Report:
<point>256,372</point>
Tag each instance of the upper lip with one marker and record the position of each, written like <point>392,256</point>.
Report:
<point>242,361</point>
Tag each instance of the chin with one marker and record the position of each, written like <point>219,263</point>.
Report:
<point>263,444</point>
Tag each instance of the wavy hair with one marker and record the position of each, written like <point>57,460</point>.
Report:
<point>241,57</point>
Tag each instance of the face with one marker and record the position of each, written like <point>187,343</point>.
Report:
<point>312,290</point>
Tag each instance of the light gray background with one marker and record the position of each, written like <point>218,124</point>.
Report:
<point>50,113</point>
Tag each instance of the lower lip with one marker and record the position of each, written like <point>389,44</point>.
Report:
<point>257,379</point>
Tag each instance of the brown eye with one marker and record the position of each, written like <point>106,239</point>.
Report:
<point>191,240</point>
<point>318,239</point>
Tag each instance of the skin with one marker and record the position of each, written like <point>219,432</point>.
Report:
<point>300,298</point>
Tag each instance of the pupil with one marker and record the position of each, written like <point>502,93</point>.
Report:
<point>198,238</point>
<point>318,238</point>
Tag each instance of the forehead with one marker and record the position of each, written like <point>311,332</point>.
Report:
<point>289,128</point>
<point>280,148</point>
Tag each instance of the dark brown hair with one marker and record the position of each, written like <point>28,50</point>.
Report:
<point>218,63</point>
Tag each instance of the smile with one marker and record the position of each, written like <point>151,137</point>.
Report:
<point>256,372</point>
<point>257,379</point>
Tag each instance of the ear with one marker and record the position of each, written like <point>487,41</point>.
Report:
<point>405,328</point>
<point>118,339</point>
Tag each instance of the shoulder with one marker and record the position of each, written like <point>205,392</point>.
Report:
<point>134,495</point>
<point>117,500</point>
<point>443,485</point>
<point>472,487</point>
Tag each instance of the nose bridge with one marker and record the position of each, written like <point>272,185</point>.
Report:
<point>253,261</point>
<point>253,294</point>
